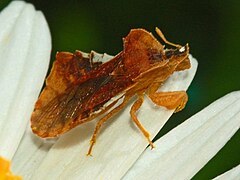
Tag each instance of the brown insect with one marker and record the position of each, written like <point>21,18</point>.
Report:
<point>79,89</point>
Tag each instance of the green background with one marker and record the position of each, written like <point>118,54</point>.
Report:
<point>211,27</point>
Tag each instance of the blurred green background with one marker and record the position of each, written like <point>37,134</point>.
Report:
<point>211,27</point>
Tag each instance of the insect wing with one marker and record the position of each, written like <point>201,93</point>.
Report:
<point>61,101</point>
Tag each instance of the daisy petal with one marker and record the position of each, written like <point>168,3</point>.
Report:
<point>25,45</point>
<point>232,174</point>
<point>29,155</point>
<point>186,149</point>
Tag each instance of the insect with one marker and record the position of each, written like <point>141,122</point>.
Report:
<point>79,89</point>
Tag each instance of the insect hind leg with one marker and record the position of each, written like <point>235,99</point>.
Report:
<point>103,120</point>
<point>137,104</point>
<point>159,32</point>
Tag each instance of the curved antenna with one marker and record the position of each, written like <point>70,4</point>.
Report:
<point>159,32</point>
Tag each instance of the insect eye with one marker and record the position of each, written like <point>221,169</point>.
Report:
<point>169,54</point>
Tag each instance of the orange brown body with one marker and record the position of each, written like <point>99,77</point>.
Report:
<point>79,89</point>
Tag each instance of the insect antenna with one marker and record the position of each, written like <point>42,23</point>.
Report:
<point>159,32</point>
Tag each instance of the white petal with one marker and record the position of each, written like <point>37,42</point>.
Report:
<point>24,52</point>
<point>29,147</point>
<point>232,174</point>
<point>186,149</point>
<point>29,155</point>
<point>118,146</point>
<point>8,18</point>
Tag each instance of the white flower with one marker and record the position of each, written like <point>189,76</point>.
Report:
<point>120,152</point>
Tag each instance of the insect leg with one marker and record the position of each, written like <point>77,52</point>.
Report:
<point>171,100</point>
<point>159,32</point>
<point>103,120</point>
<point>137,104</point>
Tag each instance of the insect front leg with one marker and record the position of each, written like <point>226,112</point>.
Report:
<point>171,100</point>
<point>137,104</point>
<point>103,120</point>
